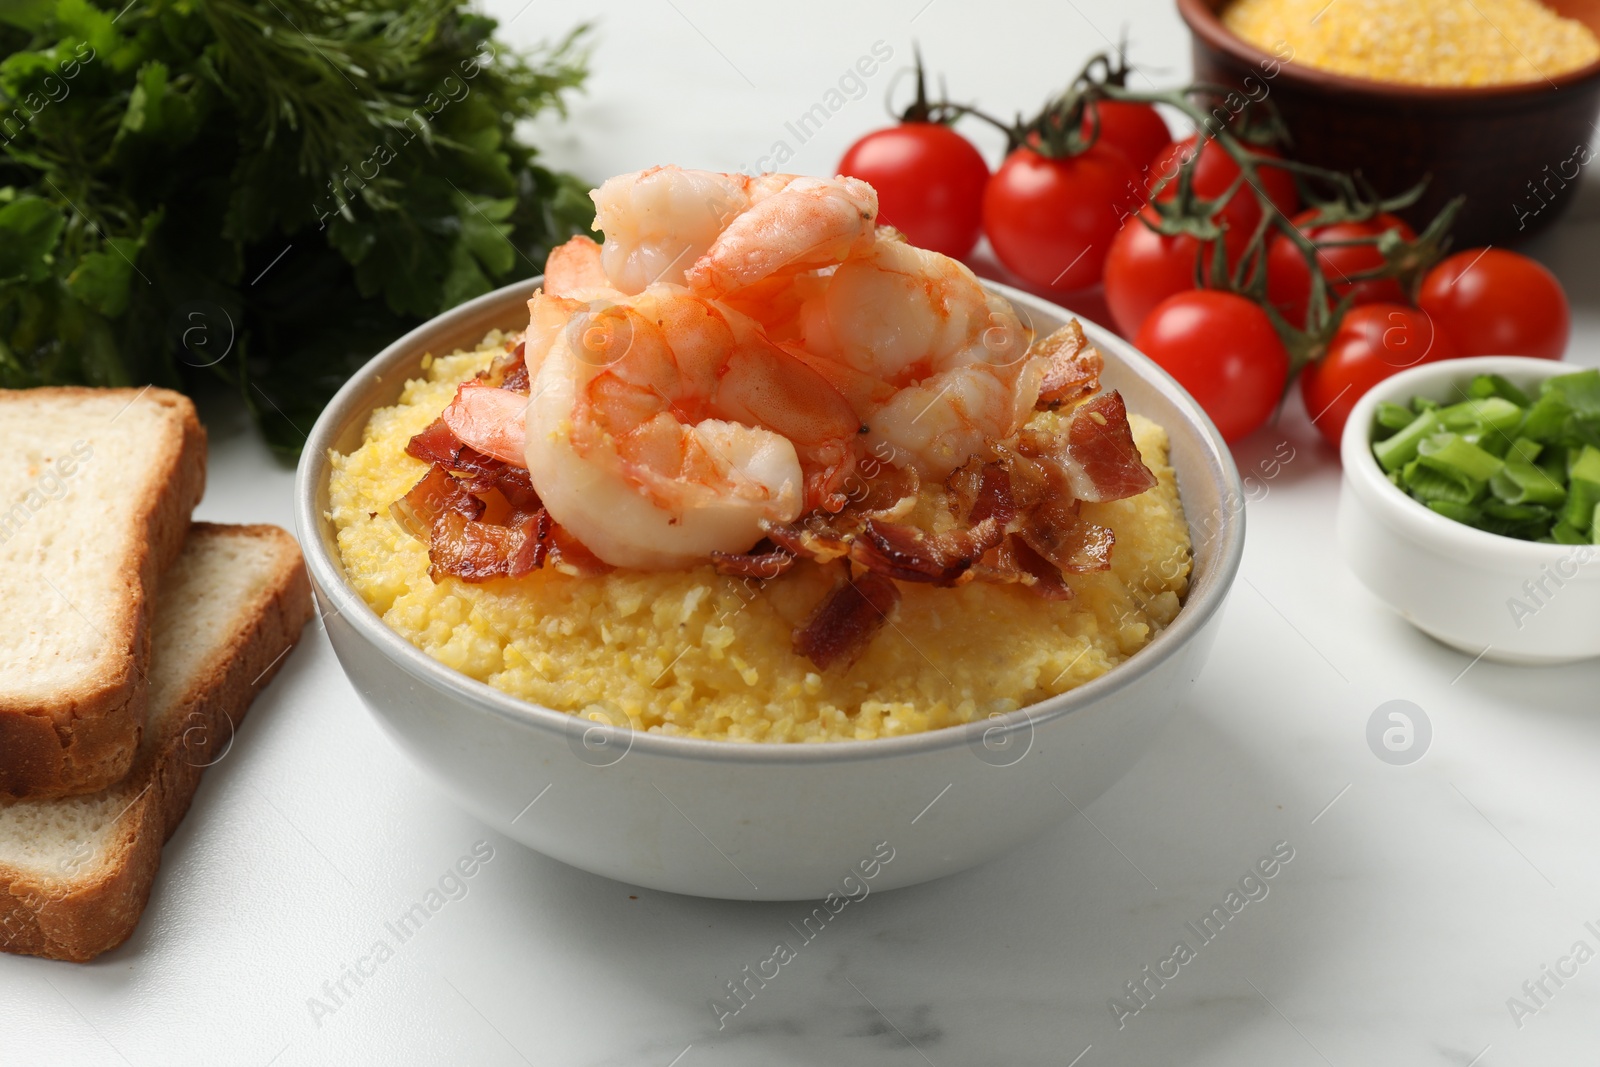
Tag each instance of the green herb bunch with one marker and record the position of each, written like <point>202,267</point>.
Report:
<point>265,190</point>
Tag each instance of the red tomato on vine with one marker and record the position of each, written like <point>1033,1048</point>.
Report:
<point>1373,342</point>
<point>1051,220</point>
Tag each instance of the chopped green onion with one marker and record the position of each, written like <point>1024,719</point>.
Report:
<point>1524,448</point>
<point>1520,482</point>
<point>1580,391</point>
<point>1500,460</point>
<point>1492,442</point>
<point>1582,498</point>
<point>1430,484</point>
<point>1451,453</point>
<point>1524,521</point>
<point>1547,419</point>
<point>1492,413</point>
<point>1487,385</point>
<point>1584,466</point>
<point>1563,534</point>
<point>1401,449</point>
<point>1391,417</point>
<point>1459,512</point>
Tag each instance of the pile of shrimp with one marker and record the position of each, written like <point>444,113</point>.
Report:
<point>735,355</point>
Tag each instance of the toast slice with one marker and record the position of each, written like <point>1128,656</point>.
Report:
<point>75,872</point>
<point>96,489</point>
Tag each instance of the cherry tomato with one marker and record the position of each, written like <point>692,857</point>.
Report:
<point>1495,303</point>
<point>1223,349</point>
<point>1137,129</point>
<point>1289,279</point>
<point>1214,171</point>
<point>929,180</point>
<point>1373,342</point>
<point>1144,267</point>
<point>1051,221</point>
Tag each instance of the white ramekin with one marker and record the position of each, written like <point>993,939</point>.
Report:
<point>1498,597</point>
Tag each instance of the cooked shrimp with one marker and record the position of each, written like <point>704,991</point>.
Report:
<point>805,224</point>
<point>722,233</point>
<point>658,222</point>
<point>489,419</point>
<point>575,268</point>
<point>663,428</point>
<point>934,366</point>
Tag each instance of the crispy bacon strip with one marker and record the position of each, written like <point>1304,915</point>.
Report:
<point>909,554</point>
<point>1047,580</point>
<point>1074,369</point>
<point>1013,562</point>
<point>509,371</point>
<point>478,551</point>
<point>763,561</point>
<point>431,498</point>
<point>846,621</point>
<point>437,443</point>
<point>570,556</point>
<point>450,514</point>
<point>511,482</point>
<point>1102,462</point>
<point>816,541</point>
<point>1070,542</point>
<point>993,496</point>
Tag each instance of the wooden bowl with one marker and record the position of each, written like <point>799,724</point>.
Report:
<point>1516,150</point>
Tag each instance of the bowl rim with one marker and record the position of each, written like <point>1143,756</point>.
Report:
<point>1410,517</point>
<point>1207,26</point>
<point>327,572</point>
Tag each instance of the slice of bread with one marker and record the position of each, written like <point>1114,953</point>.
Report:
<point>96,489</point>
<point>75,872</point>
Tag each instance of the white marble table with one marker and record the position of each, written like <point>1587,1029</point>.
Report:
<point>1418,900</point>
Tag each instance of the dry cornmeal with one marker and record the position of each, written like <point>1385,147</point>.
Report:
<point>698,654</point>
<point>1420,42</point>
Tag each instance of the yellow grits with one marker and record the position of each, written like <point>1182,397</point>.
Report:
<point>698,654</point>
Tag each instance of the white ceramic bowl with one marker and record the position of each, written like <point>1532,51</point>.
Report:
<point>769,822</point>
<point>1507,600</point>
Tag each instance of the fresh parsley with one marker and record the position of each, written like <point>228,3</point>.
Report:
<point>266,190</point>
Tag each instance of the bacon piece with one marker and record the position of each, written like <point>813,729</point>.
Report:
<point>1060,534</point>
<point>1074,368</point>
<point>431,498</point>
<point>514,370</point>
<point>570,556</point>
<point>884,488</point>
<point>437,443</point>
<point>842,626</point>
<point>909,554</point>
<point>993,498</point>
<point>1014,562</point>
<point>815,540</point>
<point>760,562</point>
<point>1102,462</point>
<point>516,379</point>
<point>1047,580</point>
<point>478,551</point>
<point>509,371</point>
<point>513,483</point>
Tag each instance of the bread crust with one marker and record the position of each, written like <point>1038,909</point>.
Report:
<point>78,918</point>
<point>86,740</point>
